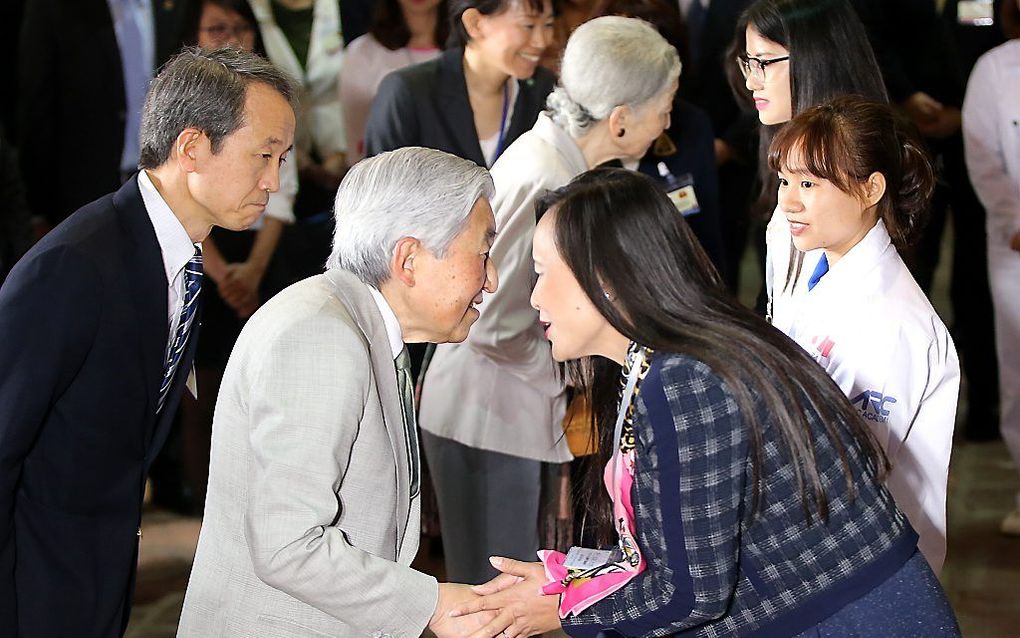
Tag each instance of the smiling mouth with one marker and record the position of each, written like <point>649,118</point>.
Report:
<point>796,228</point>
<point>530,57</point>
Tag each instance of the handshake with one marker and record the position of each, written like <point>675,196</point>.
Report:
<point>510,605</point>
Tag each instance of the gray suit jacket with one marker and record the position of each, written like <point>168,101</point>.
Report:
<point>309,525</point>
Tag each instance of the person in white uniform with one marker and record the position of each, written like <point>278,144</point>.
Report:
<point>991,135</point>
<point>492,407</point>
<point>854,184</point>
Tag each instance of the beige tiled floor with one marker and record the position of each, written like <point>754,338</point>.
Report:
<point>982,575</point>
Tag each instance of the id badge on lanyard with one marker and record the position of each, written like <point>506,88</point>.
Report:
<point>680,190</point>
<point>684,198</point>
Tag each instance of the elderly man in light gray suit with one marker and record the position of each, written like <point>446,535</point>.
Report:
<point>312,514</point>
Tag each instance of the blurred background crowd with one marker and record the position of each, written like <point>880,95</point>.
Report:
<point>377,75</point>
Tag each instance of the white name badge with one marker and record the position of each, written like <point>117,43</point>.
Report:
<point>975,13</point>
<point>582,559</point>
<point>684,197</point>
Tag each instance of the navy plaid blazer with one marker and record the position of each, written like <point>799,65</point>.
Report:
<point>712,568</point>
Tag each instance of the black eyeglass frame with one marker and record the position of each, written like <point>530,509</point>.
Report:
<point>744,62</point>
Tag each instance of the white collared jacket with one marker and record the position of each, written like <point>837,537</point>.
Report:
<point>872,328</point>
<point>991,135</point>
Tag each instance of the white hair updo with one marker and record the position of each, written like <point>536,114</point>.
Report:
<point>609,62</point>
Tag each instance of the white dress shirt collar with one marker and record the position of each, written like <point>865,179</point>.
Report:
<point>863,257</point>
<point>390,320</point>
<point>174,242</point>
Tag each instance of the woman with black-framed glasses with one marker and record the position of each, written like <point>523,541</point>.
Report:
<point>806,53</point>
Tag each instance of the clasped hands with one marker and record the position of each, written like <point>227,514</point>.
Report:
<point>510,605</point>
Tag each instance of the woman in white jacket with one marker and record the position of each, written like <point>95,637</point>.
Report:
<point>854,184</point>
<point>786,55</point>
<point>991,135</point>
<point>492,407</point>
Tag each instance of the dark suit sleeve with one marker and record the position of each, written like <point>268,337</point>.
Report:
<point>48,319</point>
<point>38,105</point>
<point>393,121</point>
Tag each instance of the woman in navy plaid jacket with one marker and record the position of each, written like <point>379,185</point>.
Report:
<point>758,499</point>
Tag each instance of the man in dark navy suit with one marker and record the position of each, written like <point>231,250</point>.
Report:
<point>98,324</point>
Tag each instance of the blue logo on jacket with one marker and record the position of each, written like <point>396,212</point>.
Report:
<point>872,405</point>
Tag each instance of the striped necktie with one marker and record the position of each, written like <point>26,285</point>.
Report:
<point>192,286</point>
<point>406,387</point>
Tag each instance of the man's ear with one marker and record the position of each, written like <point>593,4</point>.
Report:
<point>875,188</point>
<point>402,261</point>
<point>187,147</point>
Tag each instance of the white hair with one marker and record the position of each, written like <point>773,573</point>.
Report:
<point>410,192</point>
<point>609,62</point>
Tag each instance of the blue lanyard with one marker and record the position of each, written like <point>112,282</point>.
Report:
<point>502,121</point>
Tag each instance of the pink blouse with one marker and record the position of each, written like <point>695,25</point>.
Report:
<point>366,63</point>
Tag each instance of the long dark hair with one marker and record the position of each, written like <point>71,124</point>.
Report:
<point>615,229</point>
<point>830,55</point>
<point>390,28</point>
<point>846,140</point>
<point>458,34</point>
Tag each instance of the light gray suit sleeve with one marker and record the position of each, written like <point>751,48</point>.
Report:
<point>307,404</point>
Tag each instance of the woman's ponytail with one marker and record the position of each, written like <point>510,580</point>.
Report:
<point>911,200</point>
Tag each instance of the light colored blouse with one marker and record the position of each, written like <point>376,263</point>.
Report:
<point>499,390</point>
<point>367,63</point>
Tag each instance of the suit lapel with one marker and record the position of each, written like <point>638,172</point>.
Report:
<point>522,119</point>
<point>148,284</point>
<point>456,111</point>
<point>358,301</point>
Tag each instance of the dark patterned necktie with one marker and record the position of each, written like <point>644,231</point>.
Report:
<point>406,387</point>
<point>192,286</point>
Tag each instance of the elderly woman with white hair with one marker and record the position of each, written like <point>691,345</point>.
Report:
<point>492,407</point>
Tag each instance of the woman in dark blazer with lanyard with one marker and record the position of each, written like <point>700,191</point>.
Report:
<point>480,95</point>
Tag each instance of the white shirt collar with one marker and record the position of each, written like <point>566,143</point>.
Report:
<point>390,321</point>
<point>174,242</point>
<point>861,258</point>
